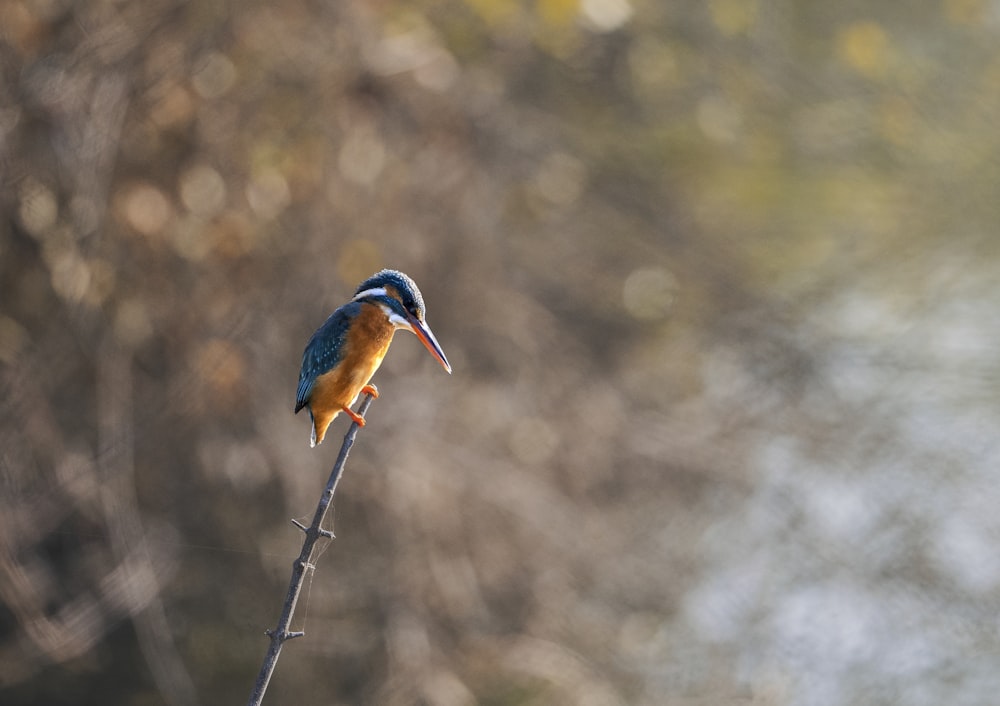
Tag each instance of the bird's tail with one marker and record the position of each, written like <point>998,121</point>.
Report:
<point>312,425</point>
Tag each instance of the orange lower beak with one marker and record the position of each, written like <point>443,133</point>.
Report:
<point>423,332</point>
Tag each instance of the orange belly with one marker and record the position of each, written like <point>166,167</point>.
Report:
<point>340,387</point>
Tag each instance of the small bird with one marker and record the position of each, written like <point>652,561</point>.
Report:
<point>344,353</point>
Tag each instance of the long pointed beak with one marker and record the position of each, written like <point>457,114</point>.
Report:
<point>423,332</point>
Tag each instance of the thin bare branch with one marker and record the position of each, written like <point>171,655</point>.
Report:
<point>303,563</point>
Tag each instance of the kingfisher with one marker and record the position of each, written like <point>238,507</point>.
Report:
<point>344,353</point>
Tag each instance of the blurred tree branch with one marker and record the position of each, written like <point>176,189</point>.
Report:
<point>140,590</point>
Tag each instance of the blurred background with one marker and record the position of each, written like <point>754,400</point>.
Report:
<point>719,282</point>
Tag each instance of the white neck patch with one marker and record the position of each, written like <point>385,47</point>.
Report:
<point>374,292</point>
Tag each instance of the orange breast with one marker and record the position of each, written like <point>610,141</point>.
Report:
<point>367,342</point>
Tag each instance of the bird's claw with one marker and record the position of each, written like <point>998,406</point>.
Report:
<point>358,419</point>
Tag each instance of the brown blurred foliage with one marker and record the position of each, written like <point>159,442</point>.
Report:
<point>718,282</point>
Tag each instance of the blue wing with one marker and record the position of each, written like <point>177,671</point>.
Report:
<point>324,350</point>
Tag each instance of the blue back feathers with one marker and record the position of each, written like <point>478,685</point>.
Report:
<point>324,350</point>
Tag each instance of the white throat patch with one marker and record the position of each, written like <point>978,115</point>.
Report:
<point>397,320</point>
<point>394,318</point>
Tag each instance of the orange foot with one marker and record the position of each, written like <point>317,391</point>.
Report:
<point>358,419</point>
<point>370,390</point>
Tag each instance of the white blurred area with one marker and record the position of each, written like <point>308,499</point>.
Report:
<point>862,567</point>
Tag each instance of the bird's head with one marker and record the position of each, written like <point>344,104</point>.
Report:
<point>398,296</point>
